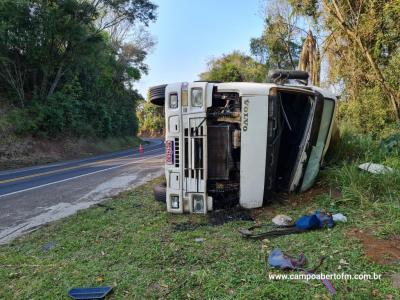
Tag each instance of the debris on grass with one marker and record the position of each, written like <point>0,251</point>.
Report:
<point>375,168</point>
<point>90,293</point>
<point>220,217</point>
<point>216,218</point>
<point>339,218</point>
<point>318,220</point>
<point>107,207</point>
<point>284,261</point>
<point>280,260</point>
<point>282,220</point>
<point>199,240</point>
<point>188,226</point>
<point>48,246</point>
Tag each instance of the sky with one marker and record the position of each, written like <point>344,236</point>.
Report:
<point>191,32</point>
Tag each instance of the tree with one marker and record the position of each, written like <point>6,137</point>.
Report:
<point>151,119</point>
<point>362,45</point>
<point>234,67</point>
<point>371,29</point>
<point>43,38</point>
<point>280,44</point>
<point>67,74</point>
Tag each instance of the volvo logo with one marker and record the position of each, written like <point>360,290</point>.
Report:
<point>245,115</point>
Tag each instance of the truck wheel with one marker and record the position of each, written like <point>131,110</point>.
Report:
<point>160,192</point>
<point>157,94</point>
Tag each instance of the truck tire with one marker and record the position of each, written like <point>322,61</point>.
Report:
<point>157,94</point>
<point>160,192</point>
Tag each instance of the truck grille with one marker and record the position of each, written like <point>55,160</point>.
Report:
<point>176,154</point>
<point>194,151</point>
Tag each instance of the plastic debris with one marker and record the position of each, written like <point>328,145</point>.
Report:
<point>325,219</point>
<point>90,293</point>
<point>282,220</point>
<point>375,168</point>
<point>339,218</point>
<point>308,223</point>
<point>199,240</point>
<point>319,220</point>
<point>48,246</point>
<point>278,259</point>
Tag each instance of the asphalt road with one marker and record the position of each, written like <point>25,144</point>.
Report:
<point>30,197</point>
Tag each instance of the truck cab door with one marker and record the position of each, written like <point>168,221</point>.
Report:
<point>309,139</point>
<point>320,146</point>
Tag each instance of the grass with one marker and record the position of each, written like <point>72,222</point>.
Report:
<point>136,249</point>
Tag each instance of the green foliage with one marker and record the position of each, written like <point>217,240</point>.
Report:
<point>366,112</point>
<point>234,67</point>
<point>363,54</point>
<point>391,144</point>
<point>63,71</point>
<point>392,70</point>
<point>377,192</point>
<point>360,189</point>
<point>151,118</point>
<point>305,7</point>
<point>279,46</point>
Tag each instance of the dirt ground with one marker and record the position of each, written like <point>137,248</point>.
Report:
<point>378,250</point>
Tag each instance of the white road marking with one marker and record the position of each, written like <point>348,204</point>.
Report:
<point>63,209</point>
<point>71,168</point>
<point>79,176</point>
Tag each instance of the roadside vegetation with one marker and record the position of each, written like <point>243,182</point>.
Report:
<point>18,152</point>
<point>151,119</point>
<point>145,252</point>
<point>67,69</point>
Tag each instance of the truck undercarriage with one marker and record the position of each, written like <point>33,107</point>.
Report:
<point>289,115</point>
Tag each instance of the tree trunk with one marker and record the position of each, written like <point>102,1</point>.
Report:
<point>310,59</point>
<point>56,80</point>
<point>13,75</point>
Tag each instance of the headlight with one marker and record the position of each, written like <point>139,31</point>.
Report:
<point>197,97</point>
<point>198,203</point>
<point>173,101</point>
<point>174,201</point>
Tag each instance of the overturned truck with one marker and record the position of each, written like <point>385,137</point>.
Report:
<point>240,143</point>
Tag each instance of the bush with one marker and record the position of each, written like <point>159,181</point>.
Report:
<point>151,118</point>
<point>367,114</point>
<point>69,116</point>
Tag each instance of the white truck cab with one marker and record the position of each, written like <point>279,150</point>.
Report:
<point>240,143</point>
